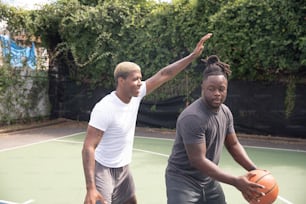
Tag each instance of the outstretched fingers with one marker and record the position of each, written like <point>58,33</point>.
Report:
<point>200,45</point>
<point>205,37</point>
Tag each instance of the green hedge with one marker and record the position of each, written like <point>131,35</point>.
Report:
<point>262,40</point>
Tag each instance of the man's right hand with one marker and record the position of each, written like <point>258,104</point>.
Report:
<point>200,46</point>
<point>92,196</point>
<point>249,190</point>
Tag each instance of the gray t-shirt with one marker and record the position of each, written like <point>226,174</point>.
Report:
<point>198,124</point>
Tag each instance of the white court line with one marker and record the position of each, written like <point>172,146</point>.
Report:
<point>6,202</point>
<point>154,138</point>
<point>284,200</point>
<point>277,149</point>
<point>150,152</point>
<point>41,142</point>
<point>141,137</point>
<point>247,146</point>
<point>29,201</point>
<point>68,141</point>
<point>139,150</point>
<point>9,202</point>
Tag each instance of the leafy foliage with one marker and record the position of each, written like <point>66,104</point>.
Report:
<point>263,40</point>
<point>260,40</point>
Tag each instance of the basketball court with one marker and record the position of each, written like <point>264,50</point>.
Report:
<point>44,166</point>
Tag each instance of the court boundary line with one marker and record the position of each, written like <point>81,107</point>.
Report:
<point>275,148</point>
<point>67,141</point>
<point>284,200</point>
<point>247,146</point>
<point>59,139</point>
<point>154,138</point>
<point>40,142</point>
<point>151,152</point>
<point>144,137</point>
<point>10,202</point>
<point>135,149</point>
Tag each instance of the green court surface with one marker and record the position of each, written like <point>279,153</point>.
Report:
<point>50,172</point>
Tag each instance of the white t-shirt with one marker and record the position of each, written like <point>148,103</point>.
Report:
<point>117,120</point>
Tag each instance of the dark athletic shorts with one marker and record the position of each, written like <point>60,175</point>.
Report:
<point>182,190</point>
<point>115,184</point>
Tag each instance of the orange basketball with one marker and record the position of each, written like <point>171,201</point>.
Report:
<point>266,179</point>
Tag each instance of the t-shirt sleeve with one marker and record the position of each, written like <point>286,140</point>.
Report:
<point>143,90</point>
<point>99,118</point>
<point>191,130</point>
<point>230,127</point>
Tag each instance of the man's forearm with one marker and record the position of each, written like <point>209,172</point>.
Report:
<point>173,69</point>
<point>170,71</point>
<point>242,158</point>
<point>89,168</point>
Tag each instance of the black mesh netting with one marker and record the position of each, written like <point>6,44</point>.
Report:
<point>258,108</point>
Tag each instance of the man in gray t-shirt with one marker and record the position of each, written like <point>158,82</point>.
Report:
<point>203,128</point>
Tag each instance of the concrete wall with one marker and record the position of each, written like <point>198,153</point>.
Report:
<point>24,100</point>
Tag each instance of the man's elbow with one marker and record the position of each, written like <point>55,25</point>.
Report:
<point>196,162</point>
<point>87,150</point>
<point>83,152</point>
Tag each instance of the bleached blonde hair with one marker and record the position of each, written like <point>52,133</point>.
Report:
<point>124,68</point>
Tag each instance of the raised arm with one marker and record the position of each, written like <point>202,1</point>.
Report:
<point>170,71</point>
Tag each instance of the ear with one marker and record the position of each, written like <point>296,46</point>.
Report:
<point>202,84</point>
<point>120,79</point>
<point>202,89</point>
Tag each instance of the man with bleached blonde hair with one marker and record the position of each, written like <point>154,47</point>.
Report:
<point>124,68</point>
<point>107,149</point>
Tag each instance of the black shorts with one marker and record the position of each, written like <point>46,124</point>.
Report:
<point>182,190</point>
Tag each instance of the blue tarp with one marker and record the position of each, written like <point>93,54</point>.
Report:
<point>18,54</point>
